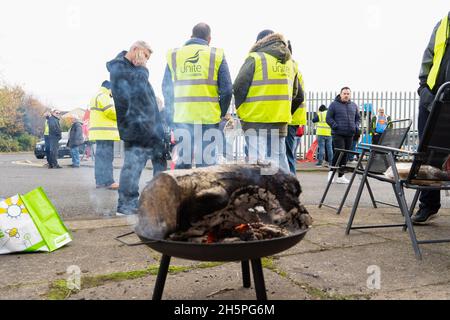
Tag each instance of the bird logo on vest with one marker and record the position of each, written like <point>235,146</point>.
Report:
<point>190,65</point>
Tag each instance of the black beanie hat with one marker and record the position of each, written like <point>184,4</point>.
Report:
<point>263,34</point>
<point>106,84</point>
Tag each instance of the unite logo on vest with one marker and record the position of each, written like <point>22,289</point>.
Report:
<point>280,68</point>
<point>191,66</point>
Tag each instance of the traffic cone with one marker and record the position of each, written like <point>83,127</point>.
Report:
<point>311,152</point>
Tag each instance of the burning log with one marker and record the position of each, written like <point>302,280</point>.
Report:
<point>221,203</point>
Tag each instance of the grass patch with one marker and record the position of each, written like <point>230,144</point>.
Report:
<point>60,291</point>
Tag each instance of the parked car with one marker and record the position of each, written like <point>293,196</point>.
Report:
<point>63,151</point>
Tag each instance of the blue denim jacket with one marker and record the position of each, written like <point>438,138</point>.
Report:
<point>224,83</point>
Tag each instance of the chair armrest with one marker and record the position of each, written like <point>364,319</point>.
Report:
<point>346,151</point>
<point>385,149</point>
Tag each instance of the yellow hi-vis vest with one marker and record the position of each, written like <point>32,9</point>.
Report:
<point>299,116</point>
<point>269,98</point>
<point>195,70</point>
<point>103,119</point>
<point>323,129</point>
<point>442,35</point>
<point>46,129</point>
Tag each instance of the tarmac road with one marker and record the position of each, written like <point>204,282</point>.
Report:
<point>72,191</point>
<point>74,194</point>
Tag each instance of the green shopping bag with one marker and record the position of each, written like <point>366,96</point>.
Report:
<point>30,223</point>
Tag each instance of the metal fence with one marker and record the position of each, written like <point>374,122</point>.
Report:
<point>398,105</point>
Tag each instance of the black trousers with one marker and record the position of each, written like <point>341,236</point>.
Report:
<point>53,154</point>
<point>429,200</point>
<point>341,142</point>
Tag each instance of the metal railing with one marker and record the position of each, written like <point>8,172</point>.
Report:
<point>398,105</point>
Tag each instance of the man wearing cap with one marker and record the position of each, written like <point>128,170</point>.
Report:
<point>54,135</point>
<point>138,120</point>
<point>103,130</point>
<point>264,89</point>
<point>197,92</point>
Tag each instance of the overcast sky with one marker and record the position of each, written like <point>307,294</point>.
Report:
<point>58,49</point>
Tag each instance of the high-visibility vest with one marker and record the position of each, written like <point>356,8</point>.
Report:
<point>195,70</point>
<point>103,119</point>
<point>46,129</point>
<point>381,124</point>
<point>269,97</point>
<point>442,35</point>
<point>299,116</point>
<point>323,129</point>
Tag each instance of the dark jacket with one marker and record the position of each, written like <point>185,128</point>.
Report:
<point>343,118</point>
<point>138,118</point>
<point>54,128</point>
<point>223,82</point>
<point>427,95</point>
<point>276,46</point>
<point>76,135</point>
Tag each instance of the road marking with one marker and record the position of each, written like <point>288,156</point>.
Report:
<point>28,163</point>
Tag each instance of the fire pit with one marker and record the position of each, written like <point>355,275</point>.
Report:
<point>221,213</point>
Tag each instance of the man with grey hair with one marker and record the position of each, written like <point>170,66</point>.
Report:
<point>138,120</point>
<point>197,93</point>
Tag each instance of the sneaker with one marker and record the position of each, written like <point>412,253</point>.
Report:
<point>330,173</point>
<point>342,180</point>
<point>114,186</point>
<point>318,164</point>
<point>124,213</point>
<point>423,216</point>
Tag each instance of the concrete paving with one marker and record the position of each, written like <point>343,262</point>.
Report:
<point>369,264</point>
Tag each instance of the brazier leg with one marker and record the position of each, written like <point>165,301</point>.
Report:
<point>258,278</point>
<point>246,274</point>
<point>161,279</point>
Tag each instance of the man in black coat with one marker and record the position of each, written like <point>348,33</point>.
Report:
<point>429,83</point>
<point>343,118</point>
<point>138,120</point>
<point>54,136</point>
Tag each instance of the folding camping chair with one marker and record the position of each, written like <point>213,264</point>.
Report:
<point>393,136</point>
<point>433,153</point>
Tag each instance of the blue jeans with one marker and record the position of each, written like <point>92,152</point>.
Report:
<point>325,143</point>
<point>291,146</point>
<point>75,153</point>
<point>104,163</point>
<point>259,150</point>
<point>195,148</point>
<point>136,158</point>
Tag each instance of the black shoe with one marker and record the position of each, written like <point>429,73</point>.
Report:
<point>423,216</point>
<point>57,167</point>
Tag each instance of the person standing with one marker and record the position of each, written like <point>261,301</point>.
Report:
<point>343,118</point>
<point>103,130</point>
<point>54,135</point>
<point>323,132</point>
<point>434,71</point>
<point>298,111</point>
<point>264,90</point>
<point>197,93</point>
<point>47,115</point>
<point>138,120</point>
<point>379,124</point>
<point>75,140</point>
